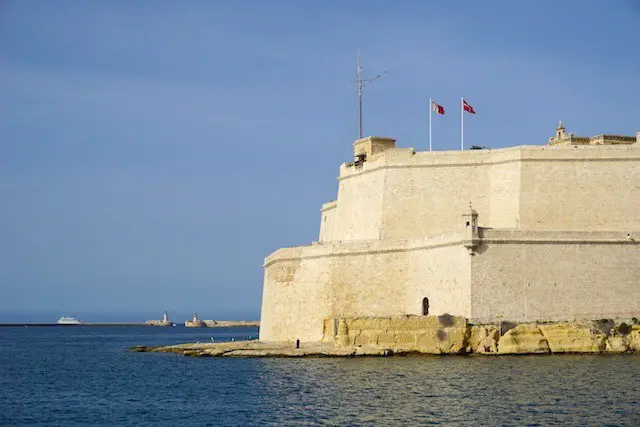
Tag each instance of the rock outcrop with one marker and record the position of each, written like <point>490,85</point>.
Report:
<point>483,339</point>
<point>574,337</point>
<point>523,339</point>
<point>432,335</point>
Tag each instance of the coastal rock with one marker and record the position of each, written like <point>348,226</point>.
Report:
<point>369,350</point>
<point>634,339</point>
<point>523,339</point>
<point>617,344</point>
<point>483,339</point>
<point>431,335</point>
<point>574,337</point>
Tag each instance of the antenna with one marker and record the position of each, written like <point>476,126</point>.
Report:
<point>361,82</point>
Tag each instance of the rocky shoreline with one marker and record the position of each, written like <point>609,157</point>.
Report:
<point>454,337</point>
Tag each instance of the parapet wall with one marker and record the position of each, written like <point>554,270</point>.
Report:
<point>307,284</point>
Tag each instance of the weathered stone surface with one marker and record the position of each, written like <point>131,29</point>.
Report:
<point>483,339</point>
<point>523,339</point>
<point>617,344</point>
<point>369,350</point>
<point>424,334</point>
<point>634,339</point>
<point>574,337</point>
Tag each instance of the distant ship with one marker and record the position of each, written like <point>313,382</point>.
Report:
<point>68,321</point>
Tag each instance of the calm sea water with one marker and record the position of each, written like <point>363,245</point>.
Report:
<point>77,376</point>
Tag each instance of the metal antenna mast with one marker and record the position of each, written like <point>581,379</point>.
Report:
<point>361,81</point>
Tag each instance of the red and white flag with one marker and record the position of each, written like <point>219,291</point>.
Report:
<point>468,108</point>
<point>437,108</point>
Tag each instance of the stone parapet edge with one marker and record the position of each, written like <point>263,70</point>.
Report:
<point>334,249</point>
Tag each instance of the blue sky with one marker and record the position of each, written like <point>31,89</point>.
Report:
<point>152,153</point>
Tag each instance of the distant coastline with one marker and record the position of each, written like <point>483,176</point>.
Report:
<point>208,323</point>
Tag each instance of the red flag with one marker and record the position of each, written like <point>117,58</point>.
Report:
<point>468,108</point>
<point>437,108</point>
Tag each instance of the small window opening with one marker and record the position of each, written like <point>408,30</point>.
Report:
<point>425,306</point>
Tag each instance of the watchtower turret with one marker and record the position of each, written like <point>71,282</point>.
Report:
<point>366,147</point>
<point>471,235</point>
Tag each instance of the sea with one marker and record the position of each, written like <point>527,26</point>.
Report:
<point>80,376</point>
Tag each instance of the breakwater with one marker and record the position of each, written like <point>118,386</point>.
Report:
<point>208,323</point>
<point>48,324</point>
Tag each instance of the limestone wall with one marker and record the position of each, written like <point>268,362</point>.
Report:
<point>591,187</point>
<point>425,334</point>
<point>296,297</point>
<point>400,194</point>
<point>367,278</point>
<point>359,207</point>
<point>521,275</point>
<point>555,275</point>
<point>327,218</point>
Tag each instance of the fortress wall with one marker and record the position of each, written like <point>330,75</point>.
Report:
<point>504,195</point>
<point>594,188</point>
<point>295,300</point>
<point>441,274</point>
<point>359,207</point>
<point>400,194</point>
<point>425,192</point>
<point>553,275</point>
<point>427,201</point>
<point>327,221</point>
<point>305,285</point>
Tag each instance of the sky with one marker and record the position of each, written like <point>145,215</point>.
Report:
<point>153,153</point>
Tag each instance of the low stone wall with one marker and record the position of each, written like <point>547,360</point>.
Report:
<point>454,335</point>
<point>424,334</point>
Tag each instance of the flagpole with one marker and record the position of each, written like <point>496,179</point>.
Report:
<point>430,110</point>
<point>462,124</point>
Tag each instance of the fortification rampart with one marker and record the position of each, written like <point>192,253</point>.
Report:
<point>398,194</point>
<point>554,235</point>
<point>520,275</point>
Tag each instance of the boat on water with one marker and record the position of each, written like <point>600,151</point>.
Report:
<point>69,321</point>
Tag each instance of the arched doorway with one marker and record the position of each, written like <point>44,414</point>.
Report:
<point>425,306</point>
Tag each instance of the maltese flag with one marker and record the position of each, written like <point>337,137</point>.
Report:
<point>437,108</point>
<point>468,108</point>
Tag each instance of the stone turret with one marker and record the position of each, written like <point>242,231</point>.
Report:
<point>471,235</point>
<point>367,147</point>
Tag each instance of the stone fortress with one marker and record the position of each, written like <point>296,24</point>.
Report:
<point>524,234</point>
